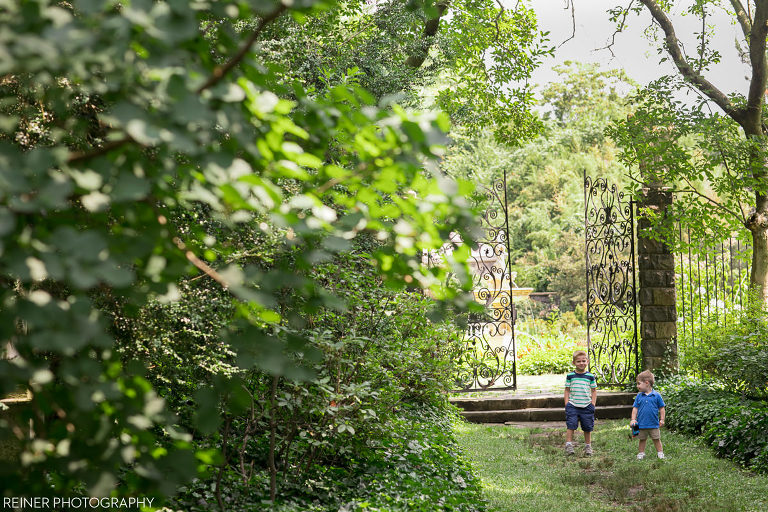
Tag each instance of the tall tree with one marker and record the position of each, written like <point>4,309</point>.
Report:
<point>477,56</point>
<point>717,162</point>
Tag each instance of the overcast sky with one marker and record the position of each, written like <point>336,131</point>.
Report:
<point>631,51</point>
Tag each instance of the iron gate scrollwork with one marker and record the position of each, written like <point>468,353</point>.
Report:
<point>487,358</point>
<point>611,286</point>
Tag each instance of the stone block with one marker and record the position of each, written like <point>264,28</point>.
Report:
<point>649,246</point>
<point>657,278</point>
<point>645,296</point>
<point>665,330</point>
<point>664,296</point>
<point>651,363</point>
<point>653,348</point>
<point>658,314</point>
<point>656,261</point>
<point>648,330</point>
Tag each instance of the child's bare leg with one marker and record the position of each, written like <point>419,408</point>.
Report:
<point>588,437</point>
<point>657,444</point>
<point>641,446</point>
<point>569,435</point>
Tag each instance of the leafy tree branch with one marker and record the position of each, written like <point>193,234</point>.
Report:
<point>673,47</point>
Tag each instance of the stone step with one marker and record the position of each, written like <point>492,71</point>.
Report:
<point>547,401</point>
<point>604,412</point>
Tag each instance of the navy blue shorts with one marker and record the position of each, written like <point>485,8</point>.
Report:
<point>584,415</point>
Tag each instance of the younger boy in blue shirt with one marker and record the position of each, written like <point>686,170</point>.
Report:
<point>648,413</point>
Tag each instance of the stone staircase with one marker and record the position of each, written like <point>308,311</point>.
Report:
<point>544,407</point>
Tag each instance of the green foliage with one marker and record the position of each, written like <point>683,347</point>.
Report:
<point>351,40</point>
<point>366,362</point>
<point>413,463</point>
<point>700,155</point>
<point>587,96</point>
<point>137,154</point>
<point>736,353</point>
<point>180,184</point>
<point>181,342</point>
<point>711,288</point>
<point>396,48</point>
<point>714,161</point>
<point>492,54</point>
<point>548,360</point>
<point>547,345</point>
<point>691,404</point>
<point>738,433</point>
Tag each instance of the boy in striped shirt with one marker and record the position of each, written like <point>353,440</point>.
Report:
<point>580,399</point>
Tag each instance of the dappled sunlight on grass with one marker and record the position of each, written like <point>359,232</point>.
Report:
<point>526,470</point>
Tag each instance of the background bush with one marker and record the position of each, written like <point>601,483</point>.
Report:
<point>546,345</point>
<point>547,360</point>
<point>367,422</point>
<point>736,354</point>
<point>739,433</point>
<point>415,465</point>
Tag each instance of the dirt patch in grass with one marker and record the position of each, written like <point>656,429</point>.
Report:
<point>536,475</point>
<point>622,487</point>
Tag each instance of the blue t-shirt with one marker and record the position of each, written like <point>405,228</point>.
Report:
<point>648,409</point>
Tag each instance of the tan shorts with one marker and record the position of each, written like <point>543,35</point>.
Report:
<point>654,433</point>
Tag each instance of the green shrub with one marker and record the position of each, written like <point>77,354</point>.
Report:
<point>547,345</point>
<point>736,354</point>
<point>691,404</point>
<point>552,360</point>
<point>336,438</point>
<point>742,365</point>
<point>739,433</point>
<point>414,465</point>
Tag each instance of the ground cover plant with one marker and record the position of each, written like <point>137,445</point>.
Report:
<point>525,470</point>
<point>411,463</point>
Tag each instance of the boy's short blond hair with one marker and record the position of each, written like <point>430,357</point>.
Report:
<point>579,353</point>
<point>647,376</point>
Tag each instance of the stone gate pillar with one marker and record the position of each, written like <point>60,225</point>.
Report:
<point>657,296</point>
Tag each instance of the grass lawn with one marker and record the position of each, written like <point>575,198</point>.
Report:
<point>525,470</point>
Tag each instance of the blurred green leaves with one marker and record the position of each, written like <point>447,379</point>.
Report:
<point>123,180</point>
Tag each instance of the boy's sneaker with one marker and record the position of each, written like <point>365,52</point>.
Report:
<point>588,450</point>
<point>569,449</point>
<point>640,456</point>
<point>661,455</point>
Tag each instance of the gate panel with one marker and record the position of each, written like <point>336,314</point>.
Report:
<point>487,359</point>
<point>611,286</point>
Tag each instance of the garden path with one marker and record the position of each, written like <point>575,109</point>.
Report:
<point>523,469</point>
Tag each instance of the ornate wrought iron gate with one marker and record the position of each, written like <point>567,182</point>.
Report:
<point>487,359</point>
<point>611,285</point>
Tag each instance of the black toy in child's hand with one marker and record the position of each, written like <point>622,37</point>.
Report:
<point>635,430</point>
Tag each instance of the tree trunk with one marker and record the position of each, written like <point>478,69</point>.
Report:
<point>430,30</point>
<point>757,222</point>
<point>759,275</point>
